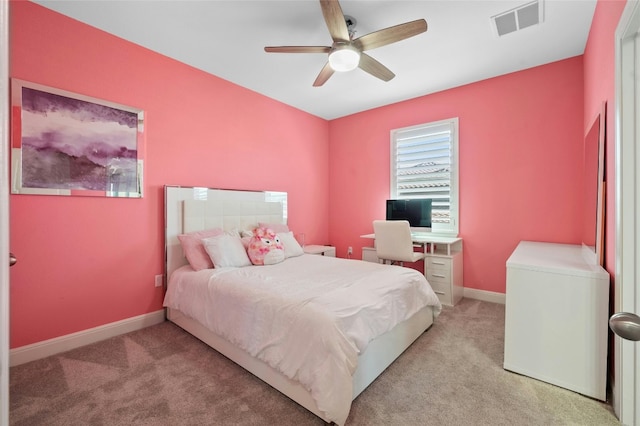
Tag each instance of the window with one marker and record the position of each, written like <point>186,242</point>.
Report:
<point>424,164</point>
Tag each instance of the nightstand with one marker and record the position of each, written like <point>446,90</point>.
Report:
<point>321,250</point>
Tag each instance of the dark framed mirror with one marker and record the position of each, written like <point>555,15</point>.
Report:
<point>593,210</point>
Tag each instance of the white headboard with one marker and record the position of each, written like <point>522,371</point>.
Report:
<point>189,209</point>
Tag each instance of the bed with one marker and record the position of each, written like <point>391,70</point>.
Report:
<point>258,316</point>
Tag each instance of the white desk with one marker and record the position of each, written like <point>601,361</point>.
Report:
<point>442,264</point>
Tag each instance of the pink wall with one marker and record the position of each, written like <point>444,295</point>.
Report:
<point>599,86</point>
<point>520,150</point>
<point>85,262</point>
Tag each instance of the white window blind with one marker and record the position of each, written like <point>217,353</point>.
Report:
<point>424,165</point>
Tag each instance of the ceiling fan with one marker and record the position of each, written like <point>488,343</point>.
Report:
<point>347,53</point>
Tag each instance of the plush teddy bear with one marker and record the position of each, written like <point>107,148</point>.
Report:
<point>265,247</point>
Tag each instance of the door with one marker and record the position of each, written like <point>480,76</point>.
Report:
<point>626,387</point>
<point>4,213</point>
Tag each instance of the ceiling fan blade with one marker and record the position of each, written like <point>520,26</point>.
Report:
<point>297,49</point>
<point>334,18</point>
<point>375,68</point>
<point>324,75</point>
<point>390,35</point>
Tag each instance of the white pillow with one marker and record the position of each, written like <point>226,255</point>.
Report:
<point>291,246</point>
<point>226,250</point>
<point>235,232</point>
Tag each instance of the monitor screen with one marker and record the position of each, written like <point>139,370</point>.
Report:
<point>416,211</point>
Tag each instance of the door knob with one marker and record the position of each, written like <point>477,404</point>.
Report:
<point>626,325</point>
<point>12,259</point>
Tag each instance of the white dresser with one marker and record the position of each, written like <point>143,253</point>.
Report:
<point>557,308</point>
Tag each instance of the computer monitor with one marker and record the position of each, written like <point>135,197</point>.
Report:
<point>417,211</point>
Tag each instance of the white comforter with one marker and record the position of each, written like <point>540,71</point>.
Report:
<point>308,317</point>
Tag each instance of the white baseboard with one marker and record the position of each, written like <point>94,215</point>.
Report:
<point>484,295</point>
<point>65,343</point>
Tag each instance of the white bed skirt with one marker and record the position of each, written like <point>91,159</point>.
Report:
<point>380,353</point>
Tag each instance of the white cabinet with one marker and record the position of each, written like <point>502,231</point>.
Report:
<point>442,265</point>
<point>556,313</point>
<point>321,250</point>
<point>369,255</point>
<point>444,273</point>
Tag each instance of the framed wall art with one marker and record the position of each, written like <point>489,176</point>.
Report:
<point>63,143</point>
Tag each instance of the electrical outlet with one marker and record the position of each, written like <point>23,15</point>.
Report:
<point>350,250</point>
<point>159,280</point>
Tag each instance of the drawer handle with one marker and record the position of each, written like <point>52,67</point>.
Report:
<point>439,292</point>
<point>438,263</point>
<point>438,276</point>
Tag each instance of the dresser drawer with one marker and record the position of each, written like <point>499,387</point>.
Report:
<point>440,275</point>
<point>442,290</point>
<point>438,263</point>
<point>439,286</point>
<point>369,254</point>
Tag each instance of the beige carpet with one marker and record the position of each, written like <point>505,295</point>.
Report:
<point>452,375</point>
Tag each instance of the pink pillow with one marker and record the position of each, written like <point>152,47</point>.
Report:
<point>193,248</point>
<point>265,247</point>
<point>275,227</point>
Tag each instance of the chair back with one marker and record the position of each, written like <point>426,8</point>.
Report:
<point>393,240</point>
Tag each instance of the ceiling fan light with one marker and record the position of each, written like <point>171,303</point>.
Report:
<point>344,58</point>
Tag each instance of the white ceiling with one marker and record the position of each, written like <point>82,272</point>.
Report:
<point>227,39</point>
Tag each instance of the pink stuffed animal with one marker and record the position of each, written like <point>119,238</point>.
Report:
<point>265,247</point>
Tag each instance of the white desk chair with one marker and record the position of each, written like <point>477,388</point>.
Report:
<point>393,242</point>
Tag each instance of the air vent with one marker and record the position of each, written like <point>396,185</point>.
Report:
<point>516,19</point>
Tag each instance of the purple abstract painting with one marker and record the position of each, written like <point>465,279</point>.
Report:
<point>74,144</point>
